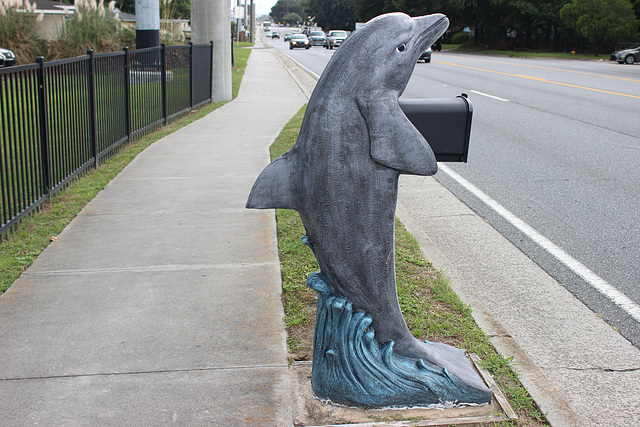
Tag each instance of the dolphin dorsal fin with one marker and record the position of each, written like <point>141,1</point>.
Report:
<point>274,188</point>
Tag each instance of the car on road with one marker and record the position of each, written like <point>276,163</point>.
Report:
<point>426,56</point>
<point>335,38</point>
<point>287,37</point>
<point>275,35</point>
<point>317,38</point>
<point>626,56</point>
<point>9,57</point>
<point>299,40</point>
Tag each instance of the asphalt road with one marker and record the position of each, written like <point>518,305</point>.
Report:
<point>554,165</point>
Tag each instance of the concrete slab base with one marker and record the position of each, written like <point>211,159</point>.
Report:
<point>311,411</point>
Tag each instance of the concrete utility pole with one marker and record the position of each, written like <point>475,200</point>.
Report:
<point>252,21</point>
<point>147,23</point>
<point>211,21</point>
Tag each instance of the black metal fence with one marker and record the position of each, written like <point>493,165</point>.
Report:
<point>59,119</point>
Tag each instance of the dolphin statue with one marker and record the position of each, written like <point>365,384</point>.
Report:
<point>341,176</point>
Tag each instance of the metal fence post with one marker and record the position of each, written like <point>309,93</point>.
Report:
<point>44,127</point>
<point>191,75</point>
<point>92,108</point>
<point>163,61</point>
<point>211,73</point>
<point>127,93</point>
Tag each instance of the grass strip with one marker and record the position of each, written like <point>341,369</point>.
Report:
<point>430,307</point>
<point>29,238</point>
<point>525,53</point>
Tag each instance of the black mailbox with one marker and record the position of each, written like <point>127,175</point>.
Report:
<point>444,122</point>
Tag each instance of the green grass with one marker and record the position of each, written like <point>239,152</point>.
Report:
<point>523,53</point>
<point>32,236</point>
<point>431,309</point>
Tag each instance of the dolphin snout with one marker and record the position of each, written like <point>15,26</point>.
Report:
<point>431,27</point>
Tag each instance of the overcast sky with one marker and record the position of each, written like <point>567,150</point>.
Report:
<point>263,7</point>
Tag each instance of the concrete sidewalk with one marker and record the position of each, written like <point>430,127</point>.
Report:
<point>160,303</point>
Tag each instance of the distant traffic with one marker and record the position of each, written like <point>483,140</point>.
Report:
<point>307,37</point>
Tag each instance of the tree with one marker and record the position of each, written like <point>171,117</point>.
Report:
<point>284,7</point>
<point>292,18</point>
<point>601,21</point>
<point>367,9</point>
<point>332,14</point>
<point>175,9</point>
<point>127,6</point>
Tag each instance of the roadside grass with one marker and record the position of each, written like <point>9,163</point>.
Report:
<point>524,53</point>
<point>431,309</point>
<point>30,237</point>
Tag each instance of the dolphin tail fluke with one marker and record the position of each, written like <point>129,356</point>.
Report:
<point>274,188</point>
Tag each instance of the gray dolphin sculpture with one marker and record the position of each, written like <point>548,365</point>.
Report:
<point>342,176</point>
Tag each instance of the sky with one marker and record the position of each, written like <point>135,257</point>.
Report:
<point>263,7</point>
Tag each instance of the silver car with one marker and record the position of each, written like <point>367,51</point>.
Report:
<point>626,56</point>
<point>317,38</point>
<point>335,38</point>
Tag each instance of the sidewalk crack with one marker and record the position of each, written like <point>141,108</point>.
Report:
<point>160,371</point>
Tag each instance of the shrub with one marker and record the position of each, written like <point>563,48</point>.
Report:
<point>92,26</point>
<point>18,30</point>
<point>461,38</point>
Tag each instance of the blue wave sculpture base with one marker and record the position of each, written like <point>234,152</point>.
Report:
<point>351,368</point>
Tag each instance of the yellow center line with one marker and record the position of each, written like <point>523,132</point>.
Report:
<point>523,76</point>
<point>555,69</point>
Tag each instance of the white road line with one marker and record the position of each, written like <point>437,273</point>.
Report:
<point>489,96</point>
<point>573,264</point>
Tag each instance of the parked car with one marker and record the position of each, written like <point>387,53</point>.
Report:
<point>335,38</point>
<point>287,37</point>
<point>426,56</point>
<point>275,35</point>
<point>317,38</point>
<point>9,57</point>
<point>299,40</point>
<point>626,56</point>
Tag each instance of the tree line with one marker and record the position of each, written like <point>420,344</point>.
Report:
<point>542,25</point>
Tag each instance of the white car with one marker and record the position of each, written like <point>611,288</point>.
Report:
<point>8,56</point>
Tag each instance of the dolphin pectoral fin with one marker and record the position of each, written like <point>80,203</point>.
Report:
<point>395,142</point>
<point>274,188</point>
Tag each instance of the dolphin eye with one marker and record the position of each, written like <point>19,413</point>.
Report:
<point>401,48</point>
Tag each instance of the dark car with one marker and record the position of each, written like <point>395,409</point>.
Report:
<point>626,56</point>
<point>335,38</point>
<point>426,56</point>
<point>317,38</point>
<point>9,57</point>
<point>299,40</point>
